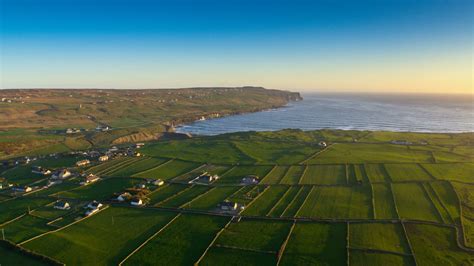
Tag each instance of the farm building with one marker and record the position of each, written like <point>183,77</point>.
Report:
<point>91,178</point>
<point>22,189</point>
<point>82,162</point>
<point>228,206</point>
<point>205,178</point>
<point>124,197</point>
<point>62,205</point>
<point>61,174</point>
<point>401,142</point>
<point>156,182</point>
<point>250,180</point>
<point>40,170</point>
<point>136,202</point>
<point>103,158</point>
<point>322,144</point>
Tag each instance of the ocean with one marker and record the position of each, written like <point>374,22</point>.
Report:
<point>409,112</point>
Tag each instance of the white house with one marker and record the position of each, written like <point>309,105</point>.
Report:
<point>158,182</point>
<point>250,180</point>
<point>62,205</point>
<point>83,162</point>
<point>103,158</point>
<point>228,206</point>
<point>91,178</point>
<point>94,205</point>
<point>61,174</point>
<point>124,197</point>
<point>136,202</point>
<point>322,144</point>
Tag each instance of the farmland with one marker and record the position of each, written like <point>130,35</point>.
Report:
<point>364,203</point>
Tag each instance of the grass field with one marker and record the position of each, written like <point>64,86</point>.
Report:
<point>370,153</point>
<point>15,257</point>
<point>265,202</point>
<point>100,190</point>
<point>283,203</point>
<point>407,172</point>
<point>462,172</point>
<point>338,202</point>
<point>316,244</point>
<point>362,258</point>
<point>413,203</point>
<point>436,245</point>
<point>181,243</point>
<point>212,198</point>
<point>280,153</point>
<point>377,173</point>
<point>235,175</point>
<point>104,238</point>
<point>293,175</point>
<point>295,205</point>
<point>200,150</point>
<point>137,167</point>
<point>378,236</point>
<point>165,192</point>
<point>13,208</point>
<point>24,228</point>
<point>324,174</point>
<point>384,207</point>
<point>184,197</point>
<point>349,204</point>
<point>168,170</point>
<point>237,257</point>
<point>275,175</point>
<point>257,235</point>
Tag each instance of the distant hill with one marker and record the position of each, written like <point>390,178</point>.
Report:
<point>69,119</point>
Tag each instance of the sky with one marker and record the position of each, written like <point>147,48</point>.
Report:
<point>365,45</point>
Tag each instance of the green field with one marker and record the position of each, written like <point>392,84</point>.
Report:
<point>378,236</point>
<point>181,243</point>
<point>324,175</point>
<point>316,244</point>
<point>414,203</point>
<point>104,238</point>
<point>168,170</point>
<point>293,175</point>
<point>384,207</point>
<point>235,175</point>
<point>256,235</point>
<point>275,175</point>
<point>360,201</point>
<point>436,244</point>
<point>338,202</point>
<point>265,202</point>
<point>407,172</point>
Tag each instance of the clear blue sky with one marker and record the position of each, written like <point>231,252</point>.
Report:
<point>379,45</point>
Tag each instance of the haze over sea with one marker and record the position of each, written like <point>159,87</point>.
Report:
<point>408,112</point>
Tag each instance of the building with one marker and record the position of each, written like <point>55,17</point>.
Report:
<point>139,145</point>
<point>103,158</point>
<point>401,142</point>
<point>124,197</point>
<point>94,205</point>
<point>205,178</point>
<point>22,189</point>
<point>228,206</point>
<point>40,170</point>
<point>91,178</point>
<point>250,180</point>
<point>83,162</point>
<point>61,174</point>
<point>137,202</point>
<point>322,144</point>
<point>62,205</point>
<point>158,182</point>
